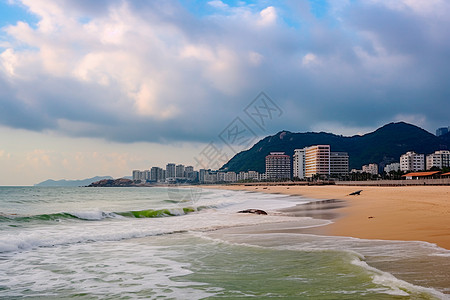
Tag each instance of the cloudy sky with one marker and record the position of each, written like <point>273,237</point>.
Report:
<point>103,87</point>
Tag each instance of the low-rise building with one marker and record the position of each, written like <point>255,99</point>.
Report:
<point>370,168</point>
<point>230,177</point>
<point>392,167</point>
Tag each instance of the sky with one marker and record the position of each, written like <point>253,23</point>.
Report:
<point>104,87</point>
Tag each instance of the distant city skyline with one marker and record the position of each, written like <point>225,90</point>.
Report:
<point>103,87</point>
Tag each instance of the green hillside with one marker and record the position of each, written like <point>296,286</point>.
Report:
<point>382,146</point>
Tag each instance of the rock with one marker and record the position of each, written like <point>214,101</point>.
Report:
<point>253,211</point>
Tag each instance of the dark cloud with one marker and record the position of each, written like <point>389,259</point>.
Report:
<point>153,71</point>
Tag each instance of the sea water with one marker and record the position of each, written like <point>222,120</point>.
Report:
<point>187,243</point>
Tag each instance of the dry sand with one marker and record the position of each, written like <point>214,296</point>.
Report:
<point>411,213</point>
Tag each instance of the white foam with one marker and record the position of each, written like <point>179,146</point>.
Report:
<point>396,286</point>
<point>119,229</point>
<point>101,270</point>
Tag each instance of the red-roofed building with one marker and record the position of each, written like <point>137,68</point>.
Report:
<point>422,175</point>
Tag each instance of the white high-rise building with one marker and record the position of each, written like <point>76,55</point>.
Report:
<point>299,163</point>
<point>179,171</point>
<point>170,170</point>
<point>201,175</point>
<point>438,159</point>
<point>411,161</point>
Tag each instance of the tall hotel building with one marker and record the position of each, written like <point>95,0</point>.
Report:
<point>278,166</point>
<point>317,160</point>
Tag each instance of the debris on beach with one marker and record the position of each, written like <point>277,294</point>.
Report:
<point>356,193</point>
<point>253,211</point>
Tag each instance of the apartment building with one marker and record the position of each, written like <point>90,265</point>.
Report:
<point>157,174</point>
<point>370,168</point>
<point>170,170</point>
<point>278,166</point>
<point>411,161</point>
<point>179,171</point>
<point>438,159</point>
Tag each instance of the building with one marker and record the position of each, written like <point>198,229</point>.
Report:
<point>136,175</point>
<point>170,170</point>
<point>278,166</point>
<point>189,173</point>
<point>411,161</point>
<point>230,177</point>
<point>253,175</point>
<point>210,177</point>
<point>141,175</point>
<point>438,159</point>
<point>157,174</point>
<point>442,131</point>
<point>262,177</point>
<point>370,168</point>
<point>220,176</point>
<point>317,160</point>
<point>338,163</point>
<point>393,167</point>
<point>179,171</point>
<point>201,175</point>
<point>298,163</point>
<point>422,175</point>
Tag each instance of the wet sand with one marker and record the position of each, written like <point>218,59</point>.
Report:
<point>411,213</point>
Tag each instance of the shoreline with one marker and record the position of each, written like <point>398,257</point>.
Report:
<point>406,213</point>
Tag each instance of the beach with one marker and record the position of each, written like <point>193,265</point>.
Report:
<point>190,243</point>
<point>407,213</point>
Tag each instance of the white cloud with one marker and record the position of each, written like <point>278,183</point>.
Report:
<point>218,4</point>
<point>268,16</point>
<point>310,59</point>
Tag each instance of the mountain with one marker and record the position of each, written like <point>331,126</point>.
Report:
<point>383,146</point>
<point>82,182</point>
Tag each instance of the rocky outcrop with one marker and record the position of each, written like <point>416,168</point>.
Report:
<point>121,182</point>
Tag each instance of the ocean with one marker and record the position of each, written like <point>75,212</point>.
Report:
<point>190,243</point>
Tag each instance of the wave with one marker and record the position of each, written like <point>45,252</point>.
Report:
<point>100,215</point>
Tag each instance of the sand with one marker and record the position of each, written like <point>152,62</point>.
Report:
<point>411,213</point>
